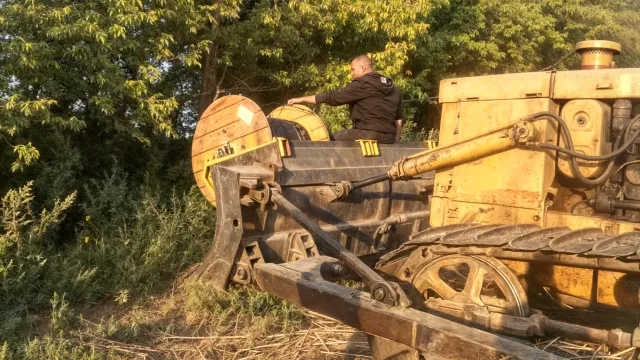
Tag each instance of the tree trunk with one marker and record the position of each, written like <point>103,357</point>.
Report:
<point>209,86</point>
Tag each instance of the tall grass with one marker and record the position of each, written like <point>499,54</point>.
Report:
<point>128,244</point>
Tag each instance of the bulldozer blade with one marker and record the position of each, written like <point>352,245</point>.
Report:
<point>218,264</point>
<point>431,337</point>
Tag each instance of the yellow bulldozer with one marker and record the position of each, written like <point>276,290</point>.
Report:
<point>521,222</point>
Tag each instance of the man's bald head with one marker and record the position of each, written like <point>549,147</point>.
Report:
<point>361,65</point>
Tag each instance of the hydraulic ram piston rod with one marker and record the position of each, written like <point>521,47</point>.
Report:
<point>517,133</point>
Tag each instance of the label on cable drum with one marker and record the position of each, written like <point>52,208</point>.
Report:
<point>245,114</point>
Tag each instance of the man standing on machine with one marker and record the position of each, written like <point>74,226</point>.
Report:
<point>374,104</point>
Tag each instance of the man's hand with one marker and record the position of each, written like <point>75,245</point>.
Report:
<point>305,99</point>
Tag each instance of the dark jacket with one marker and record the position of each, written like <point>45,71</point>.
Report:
<point>374,102</point>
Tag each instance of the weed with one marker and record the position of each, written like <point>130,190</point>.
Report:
<point>123,256</point>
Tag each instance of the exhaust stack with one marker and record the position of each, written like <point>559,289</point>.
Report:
<point>598,54</point>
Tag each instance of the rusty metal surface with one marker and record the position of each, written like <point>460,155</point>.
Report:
<point>577,242</point>
<point>470,280</point>
<point>535,246</point>
<point>377,217</point>
<point>536,240</point>
<point>382,290</point>
<point>619,246</point>
<point>217,265</point>
<point>504,234</point>
<point>313,164</point>
<point>319,162</point>
<point>466,236</point>
<point>433,335</point>
<point>482,292</point>
<point>435,233</point>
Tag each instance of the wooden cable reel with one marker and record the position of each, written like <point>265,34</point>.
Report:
<point>235,124</point>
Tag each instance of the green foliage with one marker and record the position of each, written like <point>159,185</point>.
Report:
<point>75,65</point>
<point>60,313</point>
<point>132,253</point>
<point>98,100</point>
<point>247,305</point>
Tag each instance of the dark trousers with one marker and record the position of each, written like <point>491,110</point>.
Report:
<point>359,134</point>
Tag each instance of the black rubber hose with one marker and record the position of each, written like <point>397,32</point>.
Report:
<point>607,173</point>
<point>572,153</point>
<point>575,170</point>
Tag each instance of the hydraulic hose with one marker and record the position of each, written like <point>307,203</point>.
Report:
<point>598,157</point>
<point>573,155</point>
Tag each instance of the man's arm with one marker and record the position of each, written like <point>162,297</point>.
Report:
<point>351,93</point>
<point>311,99</point>
<point>398,129</point>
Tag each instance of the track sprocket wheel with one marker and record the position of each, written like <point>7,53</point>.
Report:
<point>470,281</point>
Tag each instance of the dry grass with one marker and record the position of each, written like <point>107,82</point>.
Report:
<point>322,339</point>
<point>196,323</point>
<point>581,350</point>
<point>184,325</point>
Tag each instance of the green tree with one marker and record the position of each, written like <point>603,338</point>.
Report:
<point>96,73</point>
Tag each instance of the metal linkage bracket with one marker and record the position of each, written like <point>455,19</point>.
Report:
<point>383,291</point>
<point>250,255</point>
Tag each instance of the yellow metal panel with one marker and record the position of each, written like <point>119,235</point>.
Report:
<point>369,147</point>
<point>457,212</point>
<point>597,84</point>
<point>517,178</point>
<point>496,87</point>
<point>612,288</point>
<point>608,290</point>
<point>283,147</point>
<point>565,280</point>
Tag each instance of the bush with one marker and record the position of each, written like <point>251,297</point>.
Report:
<point>129,243</point>
<point>244,306</point>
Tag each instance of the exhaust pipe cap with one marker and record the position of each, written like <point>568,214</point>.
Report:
<point>598,54</point>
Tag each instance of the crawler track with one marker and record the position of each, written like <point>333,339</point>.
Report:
<point>585,248</point>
